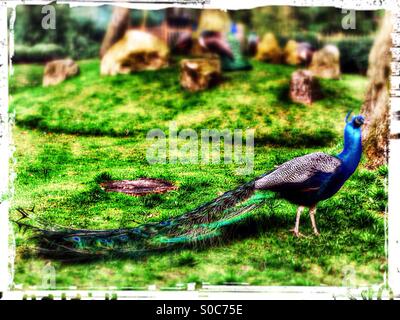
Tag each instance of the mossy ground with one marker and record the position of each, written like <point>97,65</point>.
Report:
<point>68,136</point>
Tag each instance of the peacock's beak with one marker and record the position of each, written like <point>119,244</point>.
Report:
<point>359,121</point>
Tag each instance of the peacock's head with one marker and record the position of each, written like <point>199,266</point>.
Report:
<point>356,121</point>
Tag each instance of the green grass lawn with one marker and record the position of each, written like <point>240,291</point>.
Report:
<point>68,136</point>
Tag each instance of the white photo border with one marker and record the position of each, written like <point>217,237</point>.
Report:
<point>392,244</point>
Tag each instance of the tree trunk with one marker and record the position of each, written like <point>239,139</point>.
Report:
<point>116,28</point>
<point>376,104</point>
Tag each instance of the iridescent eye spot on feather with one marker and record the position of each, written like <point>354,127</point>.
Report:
<point>76,239</point>
<point>123,238</point>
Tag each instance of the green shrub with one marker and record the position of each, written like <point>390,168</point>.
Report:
<point>354,54</point>
<point>309,37</point>
<point>84,48</point>
<point>41,52</point>
<point>80,35</point>
<point>84,39</point>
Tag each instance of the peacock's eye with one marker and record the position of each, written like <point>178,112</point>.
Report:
<point>358,121</point>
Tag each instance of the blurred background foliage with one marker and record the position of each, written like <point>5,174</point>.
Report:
<point>289,21</point>
<point>83,30</point>
<point>81,36</point>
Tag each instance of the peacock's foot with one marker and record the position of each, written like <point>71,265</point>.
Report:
<point>297,233</point>
<point>316,232</point>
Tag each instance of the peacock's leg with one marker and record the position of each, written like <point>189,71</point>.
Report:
<point>297,225</point>
<point>313,210</point>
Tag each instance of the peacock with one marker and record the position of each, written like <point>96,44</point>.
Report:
<point>304,181</point>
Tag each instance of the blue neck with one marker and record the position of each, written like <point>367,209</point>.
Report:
<point>352,150</point>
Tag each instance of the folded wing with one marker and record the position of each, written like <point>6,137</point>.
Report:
<point>306,172</point>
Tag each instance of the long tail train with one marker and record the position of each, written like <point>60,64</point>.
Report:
<point>205,223</point>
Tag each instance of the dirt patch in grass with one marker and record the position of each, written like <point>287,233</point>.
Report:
<point>139,187</point>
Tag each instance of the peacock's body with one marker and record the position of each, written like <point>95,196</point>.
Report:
<point>304,180</point>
